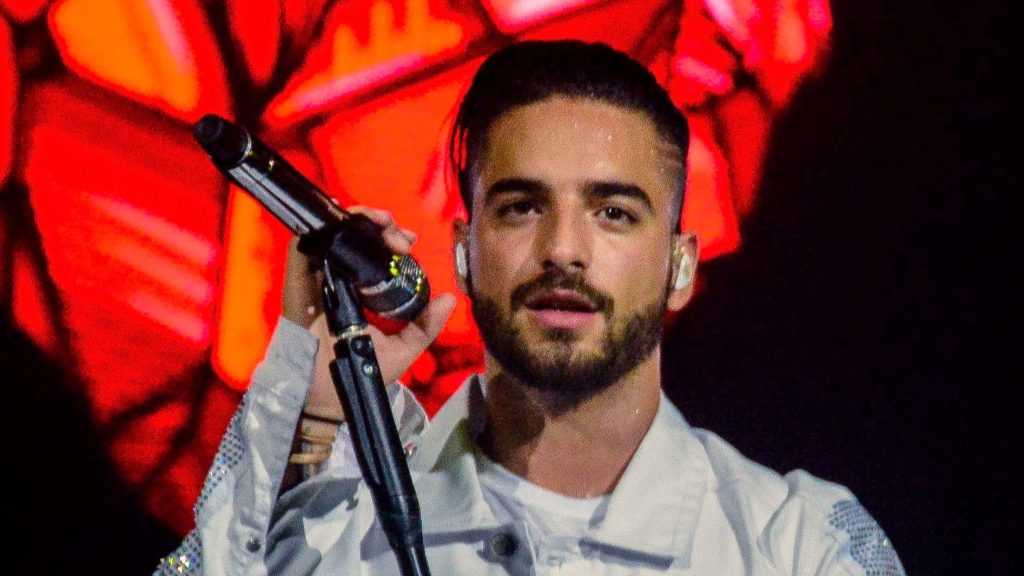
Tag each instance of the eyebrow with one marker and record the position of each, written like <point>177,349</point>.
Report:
<point>509,185</point>
<point>609,189</point>
<point>593,189</point>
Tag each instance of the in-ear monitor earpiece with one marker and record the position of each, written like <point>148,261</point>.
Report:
<point>684,275</point>
<point>461,267</point>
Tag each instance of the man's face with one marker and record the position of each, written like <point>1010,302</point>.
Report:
<point>570,240</point>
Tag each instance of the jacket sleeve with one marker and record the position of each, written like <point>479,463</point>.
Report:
<point>239,496</point>
<point>822,529</point>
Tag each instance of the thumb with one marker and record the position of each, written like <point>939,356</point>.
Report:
<point>398,351</point>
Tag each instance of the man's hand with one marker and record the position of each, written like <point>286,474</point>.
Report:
<point>395,353</point>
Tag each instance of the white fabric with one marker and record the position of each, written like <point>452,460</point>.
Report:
<point>688,503</point>
<point>555,524</point>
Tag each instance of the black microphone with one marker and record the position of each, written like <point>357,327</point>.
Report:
<point>393,286</point>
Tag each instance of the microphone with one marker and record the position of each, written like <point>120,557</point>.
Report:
<point>393,286</point>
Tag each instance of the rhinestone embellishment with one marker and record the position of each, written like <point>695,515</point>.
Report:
<point>869,545</point>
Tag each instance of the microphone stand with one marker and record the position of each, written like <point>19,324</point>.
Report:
<point>357,379</point>
<point>321,226</point>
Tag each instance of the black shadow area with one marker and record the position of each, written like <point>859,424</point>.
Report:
<point>65,510</point>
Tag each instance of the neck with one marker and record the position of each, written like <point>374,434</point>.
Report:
<point>579,450</point>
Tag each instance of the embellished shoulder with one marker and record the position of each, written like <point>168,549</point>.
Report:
<point>865,543</point>
<point>851,541</point>
<point>804,525</point>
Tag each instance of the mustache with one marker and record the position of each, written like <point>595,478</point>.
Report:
<point>556,278</point>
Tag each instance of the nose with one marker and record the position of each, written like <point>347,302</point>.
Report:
<point>566,241</point>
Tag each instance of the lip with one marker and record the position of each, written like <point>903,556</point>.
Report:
<point>570,298</point>
<point>561,308</point>
<point>564,319</point>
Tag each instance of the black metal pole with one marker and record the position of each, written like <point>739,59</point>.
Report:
<point>378,448</point>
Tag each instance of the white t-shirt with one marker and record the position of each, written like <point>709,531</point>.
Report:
<point>555,524</point>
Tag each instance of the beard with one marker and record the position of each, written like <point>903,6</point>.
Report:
<point>566,375</point>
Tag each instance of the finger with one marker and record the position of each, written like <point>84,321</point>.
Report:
<point>399,240</point>
<point>379,217</point>
<point>419,333</point>
<point>301,298</point>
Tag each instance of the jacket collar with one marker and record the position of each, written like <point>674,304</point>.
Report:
<point>657,502</point>
<point>653,510</point>
<point>444,464</point>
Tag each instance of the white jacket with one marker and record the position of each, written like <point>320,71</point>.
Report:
<point>688,503</point>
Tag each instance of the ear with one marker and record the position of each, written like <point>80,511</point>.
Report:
<point>460,249</point>
<point>685,251</point>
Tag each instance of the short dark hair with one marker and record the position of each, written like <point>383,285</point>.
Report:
<point>526,72</point>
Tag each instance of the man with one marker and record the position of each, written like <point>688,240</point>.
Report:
<point>564,457</point>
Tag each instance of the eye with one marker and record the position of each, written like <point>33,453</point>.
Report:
<point>518,208</point>
<point>617,215</point>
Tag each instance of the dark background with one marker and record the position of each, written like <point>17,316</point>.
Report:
<point>862,333</point>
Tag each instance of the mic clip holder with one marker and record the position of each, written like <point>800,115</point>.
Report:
<point>358,382</point>
<point>338,241</point>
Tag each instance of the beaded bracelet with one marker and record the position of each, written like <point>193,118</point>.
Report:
<point>315,448</point>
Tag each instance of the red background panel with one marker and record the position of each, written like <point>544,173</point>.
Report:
<point>8,94</point>
<point>22,10</point>
<point>257,19</point>
<point>131,235</point>
<point>368,45</point>
<point>160,52</point>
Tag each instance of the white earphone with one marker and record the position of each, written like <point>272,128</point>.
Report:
<point>685,273</point>
<point>461,267</point>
